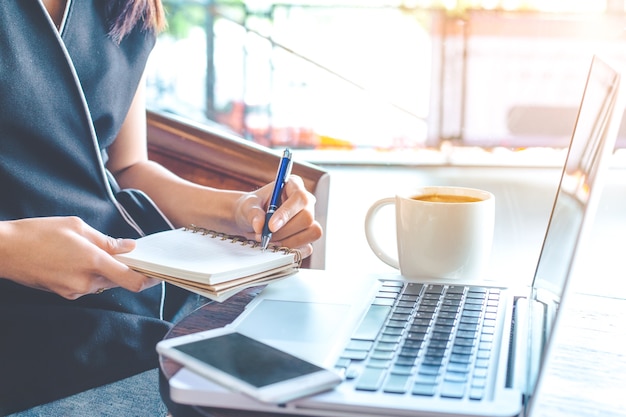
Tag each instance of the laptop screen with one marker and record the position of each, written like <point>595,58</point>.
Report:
<point>592,142</point>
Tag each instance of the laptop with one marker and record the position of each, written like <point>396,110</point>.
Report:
<point>408,347</point>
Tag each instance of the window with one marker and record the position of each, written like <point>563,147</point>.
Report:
<point>373,76</point>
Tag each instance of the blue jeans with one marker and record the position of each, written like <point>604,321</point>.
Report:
<point>137,396</point>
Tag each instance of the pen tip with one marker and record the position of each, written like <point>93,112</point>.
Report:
<point>265,241</point>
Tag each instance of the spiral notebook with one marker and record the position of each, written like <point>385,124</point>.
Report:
<point>210,263</point>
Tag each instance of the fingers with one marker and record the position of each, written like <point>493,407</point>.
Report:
<point>293,224</point>
<point>297,209</point>
<point>108,271</point>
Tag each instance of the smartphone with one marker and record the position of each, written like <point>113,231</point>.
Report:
<point>247,365</point>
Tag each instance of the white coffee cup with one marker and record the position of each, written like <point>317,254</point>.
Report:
<point>442,232</point>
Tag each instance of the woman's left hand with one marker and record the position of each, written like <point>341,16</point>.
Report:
<point>292,225</point>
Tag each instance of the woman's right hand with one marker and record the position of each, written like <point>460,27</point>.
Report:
<point>66,256</point>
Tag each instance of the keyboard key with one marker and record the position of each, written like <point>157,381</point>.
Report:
<point>456,289</point>
<point>470,327</point>
<point>432,360</point>
<point>407,304</point>
<point>448,314</point>
<point>402,369</point>
<point>445,321</point>
<point>439,344</point>
<point>397,384</point>
<point>423,389</point>
<point>378,363</point>
<point>429,379</point>
<point>400,317</point>
<point>453,389</point>
<point>481,363</point>
<point>351,373</point>
<point>342,363</point>
<point>419,329</point>
<point>357,355</point>
<point>409,351</point>
<point>489,323</point>
<point>394,331</point>
<point>427,309</point>
<point>465,334</point>
<point>397,323</point>
<point>470,319</point>
<point>396,284</point>
<point>464,342</point>
<point>405,360</point>
<point>390,347</point>
<point>472,307</point>
<point>440,336</point>
<point>413,288</point>
<point>403,310</point>
<point>360,345</point>
<point>488,330</point>
<point>479,382</point>
<point>415,343</point>
<point>462,350</point>
<point>432,351</point>
<point>433,289</point>
<point>476,393</point>
<point>458,358</point>
<point>483,354</point>
<point>456,377</point>
<point>389,338</point>
<point>383,354</point>
<point>388,289</point>
<point>417,321</point>
<point>371,379</point>
<point>372,322</point>
<point>381,301</point>
<point>458,367</point>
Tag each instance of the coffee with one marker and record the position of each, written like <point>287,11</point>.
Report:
<point>446,198</point>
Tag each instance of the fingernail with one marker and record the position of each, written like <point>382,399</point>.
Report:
<point>278,223</point>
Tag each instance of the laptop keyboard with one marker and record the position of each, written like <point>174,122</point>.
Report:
<point>426,340</point>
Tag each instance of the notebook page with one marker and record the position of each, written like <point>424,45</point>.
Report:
<point>200,257</point>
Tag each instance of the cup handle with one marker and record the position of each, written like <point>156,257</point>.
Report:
<point>382,254</point>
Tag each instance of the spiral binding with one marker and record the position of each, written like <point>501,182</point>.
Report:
<point>244,241</point>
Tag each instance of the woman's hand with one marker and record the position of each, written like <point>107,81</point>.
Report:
<point>66,256</point>
<point>292,225</point>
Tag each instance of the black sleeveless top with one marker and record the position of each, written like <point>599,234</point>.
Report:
<point>63,99</point>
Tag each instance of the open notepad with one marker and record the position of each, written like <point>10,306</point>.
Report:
<point>209,263</point>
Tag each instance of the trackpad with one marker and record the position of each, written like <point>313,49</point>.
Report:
<point>310,330</point>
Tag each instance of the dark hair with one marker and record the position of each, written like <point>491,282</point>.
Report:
<point>125,15</point>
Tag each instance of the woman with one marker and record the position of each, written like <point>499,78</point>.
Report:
<point>73,128</point>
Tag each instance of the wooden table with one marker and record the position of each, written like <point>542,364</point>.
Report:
<point>586,376</point>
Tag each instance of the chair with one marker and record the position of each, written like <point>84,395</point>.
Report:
<point>211,156</point>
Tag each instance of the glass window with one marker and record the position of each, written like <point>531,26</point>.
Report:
<point>384,76</point>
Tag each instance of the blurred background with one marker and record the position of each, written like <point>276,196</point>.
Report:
<point>370,81</point>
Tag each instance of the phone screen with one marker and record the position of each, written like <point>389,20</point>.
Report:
<point>247,359</point>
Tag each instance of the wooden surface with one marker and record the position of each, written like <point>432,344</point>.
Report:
<point>585,376</point>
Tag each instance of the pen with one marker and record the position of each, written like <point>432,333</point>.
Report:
<point>282,175</point>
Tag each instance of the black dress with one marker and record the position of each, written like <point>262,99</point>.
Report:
<point>63,98</point>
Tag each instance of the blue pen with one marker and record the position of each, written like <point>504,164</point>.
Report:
<point>284,169</point>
